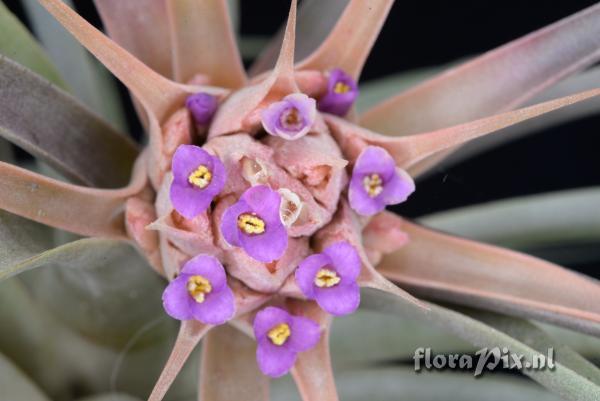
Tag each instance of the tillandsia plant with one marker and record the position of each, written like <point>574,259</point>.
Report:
<point>259,199</point>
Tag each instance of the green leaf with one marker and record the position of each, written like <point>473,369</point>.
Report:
<point>15,385</point>
<point>20,239</point>
<point>51,125</point>
<point>565,217</point>
<point>99,287</point>
<point>18,44</point>
<point>75,359</point>
<point>565,380</point>
<point>401,383</point>
<point>90,81</point>
<point>367,337</point>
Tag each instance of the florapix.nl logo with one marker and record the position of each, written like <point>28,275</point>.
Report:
<point>483,359</point>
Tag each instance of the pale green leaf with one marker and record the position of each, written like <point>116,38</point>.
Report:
<point>16,386</point>
<point>401,383</point>
<point>563,380</point>
<point>17,44</point>
<point>99,287</point>
<point>565,217</point>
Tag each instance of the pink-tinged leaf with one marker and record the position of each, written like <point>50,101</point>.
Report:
<point>82,210</point>
<point>350,42</point>
<point>235,113</point>
<point>228,367</point>
<point>56,128</point>
<point>497,81</point>
<point>408,151</point>
<point>142,28</point>
<point>316,19</point>
<point>312,372</point>
<point>190,334</point>
<point>203,42</point>
<point>157,94</point>
<point>449,268</point>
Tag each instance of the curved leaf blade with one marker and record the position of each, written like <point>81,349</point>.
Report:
<point>18,44</point>
<point>562,380</point>
<point>15,385</point>
<point>53,126</point>
<point>458,270</point>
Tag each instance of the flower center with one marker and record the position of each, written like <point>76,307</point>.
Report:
<point>279,334</point>
<point>250,223</point>
<point>326,278</point>
<point>198,287</point>
<point>373,184</point>
<point>291,119</point>
<point>200,177</point>
<point>341,88</point>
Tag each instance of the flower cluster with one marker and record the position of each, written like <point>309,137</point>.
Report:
<point>254,223</point>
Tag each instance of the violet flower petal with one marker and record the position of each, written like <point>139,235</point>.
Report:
<point>342,299</point>
<point>291,118</point>
<point>345,260</point>
<point>229,222</point>
<point>267,318</point>
<point>274,361</point>
<point>190,200</point>
<point>176,300</point>
<point>208,267</point>
<point>398,188</point>
<point>217,308</point>
<point>395,185</point>
<point>305,334</point>
<point>335,101</point>
<point>307,270</point>
<point>262,202</point>
<point>202,106</point>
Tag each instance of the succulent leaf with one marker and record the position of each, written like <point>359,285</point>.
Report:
<point>38,117</point>
<point>89,80</point>
<point>488,84</point>
<point>562,380</point>
<point>19,45</point>
<point>16,385</point>
<point>437,265</point>
<point>203,42</point>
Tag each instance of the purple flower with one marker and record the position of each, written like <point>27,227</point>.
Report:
<point>290,118</point>
<point>200,292</point>
<point>376,182</point>
<point>330,278</point>
<point>202,106</point>
<point>280,336</point>
<point>342,91</point>
<point>253,223</point>
<point>197,178</point>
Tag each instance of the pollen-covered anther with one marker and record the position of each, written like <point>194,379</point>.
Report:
<point>200,177</point>
<point>291,119</point>
<point>279,334</point>
<point>373,185</point>
<point>326,278</point>
<point>341,88</point>
<point>198,286</point>
<point>251,224</point>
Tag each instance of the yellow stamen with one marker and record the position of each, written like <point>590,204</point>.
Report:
<point>251,223</point>
<point>373,185</point>
<point>200,177</point>
<point>341,88</point>
<point>279,334</point>
<point>291,118</point>
<point>326,278</point>
<point>198,287</point>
